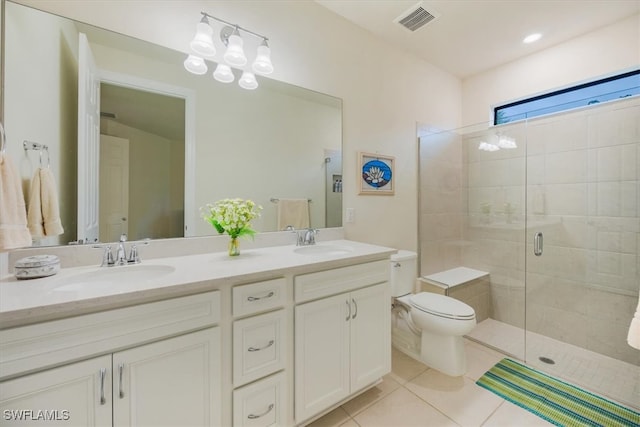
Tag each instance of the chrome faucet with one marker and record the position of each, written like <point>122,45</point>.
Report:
<point>307,237</point>
<point>121,258</point>
<point>121,254</point>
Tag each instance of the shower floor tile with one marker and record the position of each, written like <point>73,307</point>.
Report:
<point>595,372</point>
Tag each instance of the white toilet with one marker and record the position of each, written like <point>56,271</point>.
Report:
<point>440,320</point>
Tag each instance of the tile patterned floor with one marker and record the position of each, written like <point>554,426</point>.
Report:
<point>600,374</point>
<point>414,395</point>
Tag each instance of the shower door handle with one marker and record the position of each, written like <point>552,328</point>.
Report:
<point>537,244</point>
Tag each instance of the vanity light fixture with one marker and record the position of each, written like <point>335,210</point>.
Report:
<point>231,35</point>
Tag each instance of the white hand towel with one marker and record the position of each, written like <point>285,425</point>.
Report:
<point>44,211</point>
<point>293,212</point>
<point>633,338</point>
<point>34,212</point>
<point>50,204</point>
<point>13,214</point>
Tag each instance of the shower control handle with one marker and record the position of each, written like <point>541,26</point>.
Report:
<point>537,244</point>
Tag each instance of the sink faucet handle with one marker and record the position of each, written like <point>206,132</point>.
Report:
<point>134,257</point>
<point>107,255</point>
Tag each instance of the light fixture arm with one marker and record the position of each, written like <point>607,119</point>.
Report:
<point>235,26</point>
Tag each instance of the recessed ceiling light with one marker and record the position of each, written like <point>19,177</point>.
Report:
<point>532,38</point>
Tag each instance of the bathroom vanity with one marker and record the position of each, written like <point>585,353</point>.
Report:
<point>277,336</point>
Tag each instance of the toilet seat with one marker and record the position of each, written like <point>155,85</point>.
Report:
<point>442,306</point>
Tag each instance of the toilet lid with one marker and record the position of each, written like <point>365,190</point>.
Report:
<point>441,305</point>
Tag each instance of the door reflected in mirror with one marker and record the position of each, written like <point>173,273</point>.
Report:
<point>190,140</point>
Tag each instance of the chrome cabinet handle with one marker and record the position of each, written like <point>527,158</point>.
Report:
<point>349,314</point>
<point>102,374</point>
<point>355,304</point>
<point>269,295</point>
<point>538,243</point>
<point>269,409</point>
<point>120,385</point>
<point>261,348</point>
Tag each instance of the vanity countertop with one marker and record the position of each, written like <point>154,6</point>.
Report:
<point>82,290</point>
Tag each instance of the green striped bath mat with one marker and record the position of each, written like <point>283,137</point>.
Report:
<point>556,401</point>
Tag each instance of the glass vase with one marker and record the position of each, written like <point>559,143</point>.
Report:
<point>234,247</point>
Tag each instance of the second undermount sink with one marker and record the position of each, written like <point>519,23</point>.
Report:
<point>108,276</point>
<point>323,249</point>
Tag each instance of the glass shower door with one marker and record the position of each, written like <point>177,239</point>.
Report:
<point>582,240</point>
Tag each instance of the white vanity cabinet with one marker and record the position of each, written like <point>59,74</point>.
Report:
<point>168,381</point>
<point>342,341</point>
<point>261,340</point>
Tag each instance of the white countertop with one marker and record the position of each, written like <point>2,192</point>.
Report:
<point>82,290</point>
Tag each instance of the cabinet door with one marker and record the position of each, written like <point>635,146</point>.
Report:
<point>321,354</point>
<point>78,394</point>
<point>370,335</point>
<point>175,382</point>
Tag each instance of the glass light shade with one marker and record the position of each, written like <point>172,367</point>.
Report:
<point>248,81</point>
<point>202,42</point>
<point>223,73</point>
<point>196,65</point>
<point>235,53</point>
<point>262,64</point>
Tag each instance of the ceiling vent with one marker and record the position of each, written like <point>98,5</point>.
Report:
<point>415,18</point>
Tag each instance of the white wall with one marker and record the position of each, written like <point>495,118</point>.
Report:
<point>385,92</point>
<point>605,51</point>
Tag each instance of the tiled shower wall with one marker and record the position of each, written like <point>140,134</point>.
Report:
<point>581,177</point>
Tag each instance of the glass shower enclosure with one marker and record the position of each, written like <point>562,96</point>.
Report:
<point>549,207</point>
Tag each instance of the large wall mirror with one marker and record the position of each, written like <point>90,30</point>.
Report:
<point>170,141</point>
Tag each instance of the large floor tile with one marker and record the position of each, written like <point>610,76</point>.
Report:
<point>401,408</point>
<point>479,360</point>
<point>369,397</point>
<point>457,397</point>
<point>335,418</point>
<point>508,415</point>
<point>405,368</point>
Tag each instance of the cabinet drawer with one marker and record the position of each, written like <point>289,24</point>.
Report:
<point>260,296</point>
<point>261,404</point>
<point>330,282</point>
<point>28,348</point>
<point>259,345</point>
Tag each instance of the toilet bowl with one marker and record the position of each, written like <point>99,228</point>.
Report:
<point>440,321</point>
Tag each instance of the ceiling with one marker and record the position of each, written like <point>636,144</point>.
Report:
<point>470,36</point>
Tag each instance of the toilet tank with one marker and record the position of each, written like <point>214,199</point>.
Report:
<point>404,271</point>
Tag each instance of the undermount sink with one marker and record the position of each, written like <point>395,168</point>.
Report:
<point>322,249</point>
<point>108,276</point>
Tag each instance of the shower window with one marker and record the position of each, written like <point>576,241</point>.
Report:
<point>619,86</point>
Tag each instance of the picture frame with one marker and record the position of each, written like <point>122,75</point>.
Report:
<point>376,174</point>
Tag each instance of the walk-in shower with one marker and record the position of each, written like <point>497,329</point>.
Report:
<point>549,207</point>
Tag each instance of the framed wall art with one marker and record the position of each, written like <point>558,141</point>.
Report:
<point>376,174</point>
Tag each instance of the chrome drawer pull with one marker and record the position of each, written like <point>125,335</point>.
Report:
<point>261,348</point>
<point>348,314</point>
<point>269,295</point>
<point>102,374</point>
<point>120,389</point>
<point>269,409</point>
<point>356,311</point>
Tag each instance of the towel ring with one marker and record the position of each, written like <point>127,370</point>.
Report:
<point>48,158</point>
